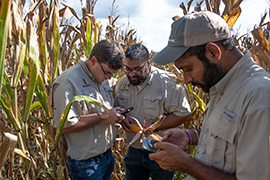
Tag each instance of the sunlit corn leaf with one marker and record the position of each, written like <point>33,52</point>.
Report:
<point>198,99</point>
<point>21,153</point>
<point>35,106</point>
<point>96,32</point>
<point>42,95</point>
<point>264,43</point>
<point>43,53</point>
<point>233,16</point>
<point>32,74</point>
<point>66,110</point>
<point>7,88</point>
<point>88,37</point>
<point>54,36</point>
<point>4,19</point>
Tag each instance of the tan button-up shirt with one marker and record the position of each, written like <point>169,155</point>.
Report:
<point>78,80</point>
<point>158,95</point>
<point>236,127</point>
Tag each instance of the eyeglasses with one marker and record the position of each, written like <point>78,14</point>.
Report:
<point>136,69</point>
<point>106,74</point>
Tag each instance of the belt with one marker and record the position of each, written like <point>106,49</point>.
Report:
<point>98,156</point>
<point>103,154</point>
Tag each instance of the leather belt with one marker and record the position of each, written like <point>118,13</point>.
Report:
<point>103,154</point>
<point>98,156</point>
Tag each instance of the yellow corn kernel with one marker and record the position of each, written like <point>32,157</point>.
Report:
<point>135,128</point>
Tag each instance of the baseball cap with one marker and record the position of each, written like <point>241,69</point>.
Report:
<point>193,29</point>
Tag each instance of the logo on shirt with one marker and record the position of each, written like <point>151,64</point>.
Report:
<point>229,114</point>
<point>85,84</point>
<point>124,88</point>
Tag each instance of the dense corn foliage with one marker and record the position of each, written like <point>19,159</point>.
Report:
<point>37,46</point>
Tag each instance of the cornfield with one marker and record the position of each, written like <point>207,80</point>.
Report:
<point>35,47</point>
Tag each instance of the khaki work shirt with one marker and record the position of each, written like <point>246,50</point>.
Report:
<point>236,127</point>
<point>78,80</point>
<point>158,95</point>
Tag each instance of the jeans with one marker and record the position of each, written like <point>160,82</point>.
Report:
<point>140,167</point>
<point>96,168</point>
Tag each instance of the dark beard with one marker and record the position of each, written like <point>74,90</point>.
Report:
<point>212,74</point>
<point>137,81</point>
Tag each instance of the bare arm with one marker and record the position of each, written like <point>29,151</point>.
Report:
<point>172,158</point>
<point>172,121</point>
<point>87,121</point>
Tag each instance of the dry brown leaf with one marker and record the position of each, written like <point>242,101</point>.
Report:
<point>257,33</point>
<point>233,16</point>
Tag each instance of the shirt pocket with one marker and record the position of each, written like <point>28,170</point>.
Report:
<point>153,106</point>
<point>222,146</point>
<point>86,107</point>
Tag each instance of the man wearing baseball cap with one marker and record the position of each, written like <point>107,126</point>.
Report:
<point>234,142</point>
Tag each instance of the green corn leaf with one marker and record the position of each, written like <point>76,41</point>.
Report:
<point>42,95</point>
<point>4,19</point>
<point>66,110</point>
<point>32,75</point>
<point>7,107</point>
<point>96,33</point>
<point>21,153</point>
<point>77,54</point>
<point>198,99</point>
<point>56,36</point>
<point>88,38</point>
<point>35,106</point>
<point>7,87</point>
<point>43,51</point>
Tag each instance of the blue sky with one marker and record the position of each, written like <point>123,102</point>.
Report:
<point>152,18</point>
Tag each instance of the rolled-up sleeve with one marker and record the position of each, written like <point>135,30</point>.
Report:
<point>176,101</point>
<point>61,97</point>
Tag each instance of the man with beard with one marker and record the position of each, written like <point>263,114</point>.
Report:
<point>151,93</point>
<point>234,139</point>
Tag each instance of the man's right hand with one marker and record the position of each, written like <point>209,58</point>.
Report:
<point>176,136</point>
<point>126,124</point>
<point>115,116</point>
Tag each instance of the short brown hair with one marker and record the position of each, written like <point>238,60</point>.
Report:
<point>109,52</point>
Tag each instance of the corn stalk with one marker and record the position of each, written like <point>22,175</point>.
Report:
<point>28,73</point>
<point>36,46</point>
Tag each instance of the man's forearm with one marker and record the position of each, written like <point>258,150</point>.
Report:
<point>203,172</point>
<point>85,122</point>
<point>172,121</point>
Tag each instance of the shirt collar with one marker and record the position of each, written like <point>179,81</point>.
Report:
<point>231,76</point>
<point>86,70</point>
